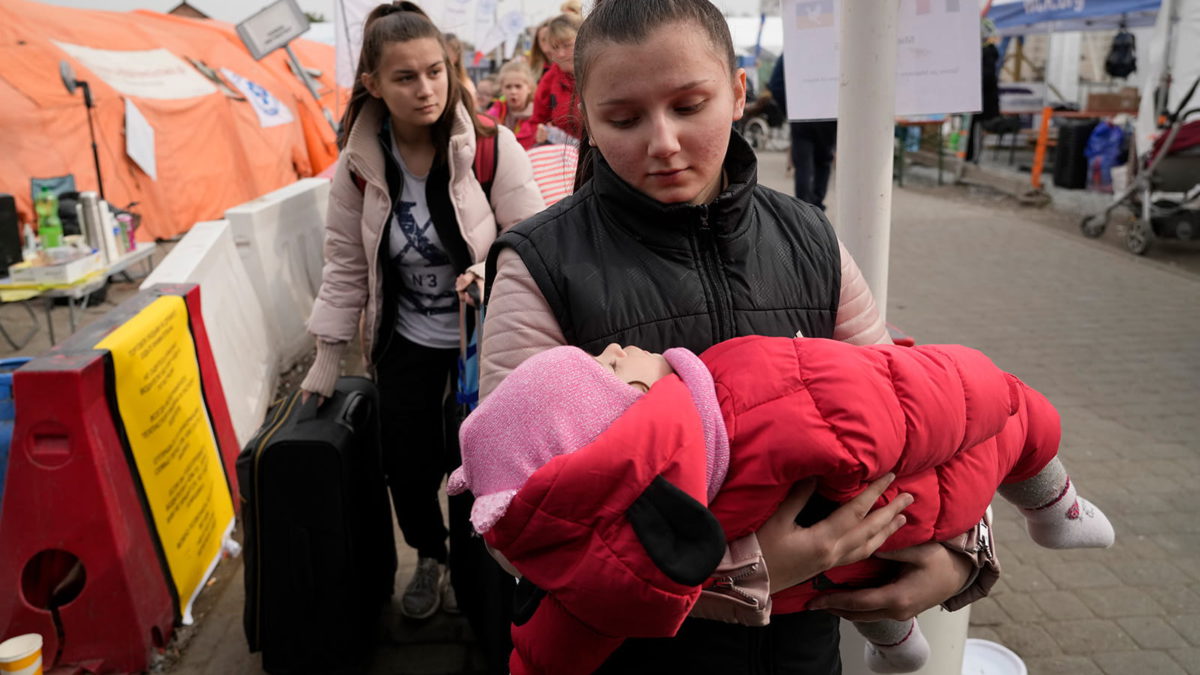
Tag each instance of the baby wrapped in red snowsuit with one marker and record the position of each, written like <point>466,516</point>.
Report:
<point>617,504</point>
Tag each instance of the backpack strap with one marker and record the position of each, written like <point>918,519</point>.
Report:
<point>485,156</point>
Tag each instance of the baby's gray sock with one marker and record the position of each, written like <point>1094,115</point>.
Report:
<point>1056,516</point>
<point>893,646</point>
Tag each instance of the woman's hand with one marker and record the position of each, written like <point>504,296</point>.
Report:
<point>542,134</point>
<point>931,575</point>
<point>853,532</point>
<point>463,283</point>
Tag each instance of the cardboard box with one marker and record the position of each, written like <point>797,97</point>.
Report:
<point>1125,101</point>
<point>59,274</point>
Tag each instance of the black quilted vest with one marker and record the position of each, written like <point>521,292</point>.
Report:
<point>618,266</point>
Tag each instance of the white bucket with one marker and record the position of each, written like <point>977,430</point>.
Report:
<point>984,657</point>
<point>21,655</point>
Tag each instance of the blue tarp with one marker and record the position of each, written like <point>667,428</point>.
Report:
<point>1042,16</point>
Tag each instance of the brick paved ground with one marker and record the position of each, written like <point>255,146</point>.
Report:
<point>1112,340</point>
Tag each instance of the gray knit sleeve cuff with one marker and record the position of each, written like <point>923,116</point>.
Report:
<point>323,374</point>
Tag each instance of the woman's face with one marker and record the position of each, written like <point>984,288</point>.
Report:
<point>661,111</point>
<point>635,367</point>
<point>411,80</point>
<point>516,91</point>
<point>543,40</point>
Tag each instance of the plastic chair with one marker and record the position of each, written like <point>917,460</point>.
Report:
<point>57,185</point>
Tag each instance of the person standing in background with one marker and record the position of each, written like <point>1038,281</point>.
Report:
<point>486,93</point>
<point>554,105</point>
<point>813,146</point>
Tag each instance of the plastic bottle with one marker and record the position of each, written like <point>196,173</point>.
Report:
<point>49,225</point>
<point>30,250</point>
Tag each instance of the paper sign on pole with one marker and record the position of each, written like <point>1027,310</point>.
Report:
<point>171,442</point>
<point>139,140</point>
<point>270,110</point>
<point>937,57</point>
<point>144,73</point>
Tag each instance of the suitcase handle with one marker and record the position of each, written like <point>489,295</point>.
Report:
<point>350,413</point>
<point>308,409</point>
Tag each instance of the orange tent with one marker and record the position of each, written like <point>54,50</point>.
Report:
<point>211,150</point>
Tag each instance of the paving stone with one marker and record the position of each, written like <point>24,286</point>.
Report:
<point>1119,601</point>
<point>1080,575</point>
<point>1175,600</point>
<point>1027,639</point>
<point>1021,607</point>
<point>1088,636</point>
<point>1151,632</point>
<point>1143,662</point>
<point>1148,572</point>
<point>1178,542</point>
<point>1027,581</point>
<point>1061,606</point>
<point>1188,658</point>
<point>1061,665</point>
<point>1188,626</point>
<point>988,612</point>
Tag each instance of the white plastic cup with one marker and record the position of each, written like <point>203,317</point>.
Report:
<point>21,655</point>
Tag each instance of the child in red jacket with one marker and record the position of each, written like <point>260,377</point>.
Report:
<point>515,106</point>
<point>554,104</point>
<point>572,452</point>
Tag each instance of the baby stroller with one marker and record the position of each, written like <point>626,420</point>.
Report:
<point>764,125</point>
<point>1164,188</point>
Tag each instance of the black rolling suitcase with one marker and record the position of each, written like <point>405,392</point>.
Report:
<point>320,555</point>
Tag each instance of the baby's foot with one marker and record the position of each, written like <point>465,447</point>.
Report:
<point>1069,521</point>
<point>905,656</point>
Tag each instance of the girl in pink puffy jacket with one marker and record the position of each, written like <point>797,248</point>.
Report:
<point>950,425</point>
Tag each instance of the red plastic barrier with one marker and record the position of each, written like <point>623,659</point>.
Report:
<point>74,531</point>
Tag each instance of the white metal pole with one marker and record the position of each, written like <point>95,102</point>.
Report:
<point>866,118</point>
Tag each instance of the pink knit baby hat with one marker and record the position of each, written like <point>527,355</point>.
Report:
<point>553,404</point>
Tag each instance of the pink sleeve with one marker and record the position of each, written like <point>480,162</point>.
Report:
<point>519,323</point>
<point>858,321</point>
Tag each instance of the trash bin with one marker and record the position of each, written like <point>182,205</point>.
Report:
<point>1070,164</point>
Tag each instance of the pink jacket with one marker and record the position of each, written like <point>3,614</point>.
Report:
<point>351,291</point>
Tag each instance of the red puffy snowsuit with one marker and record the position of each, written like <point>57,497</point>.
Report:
<point>945,419</point>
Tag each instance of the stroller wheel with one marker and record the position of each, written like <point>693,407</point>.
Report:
<point>1093,225</point>
<point>756,132</point>
<point>1137,238</point>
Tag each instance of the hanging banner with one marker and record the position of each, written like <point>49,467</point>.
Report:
<point>270,110</point>
<point>937,58</point>
<point>171,442</point>
<point>144,73</point>
<point>348,19</point>
<point>139,140</point>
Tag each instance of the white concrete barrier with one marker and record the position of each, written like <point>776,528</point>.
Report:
<point>246,358</point>
<point>279,237</point>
